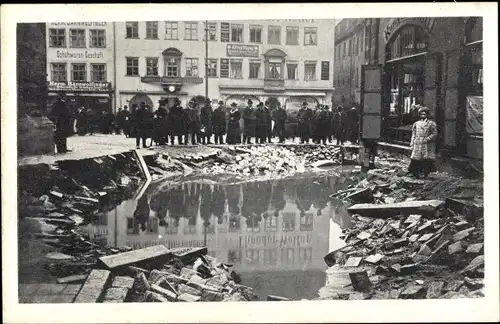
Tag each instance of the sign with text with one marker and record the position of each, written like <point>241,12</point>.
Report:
<point>79,86</point>
<point>171,80</point>
<point>91,55</point>
<point>242,50</point>
<point>395,23</point>
<point>224,68</point>
<point>224,32</point>
<point>284,240</point>
<point>80,24</point>
<point>325,70</point>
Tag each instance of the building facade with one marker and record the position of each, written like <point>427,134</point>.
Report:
<point>436,62</point>
<point>80,63</point>
<point>290,60</point>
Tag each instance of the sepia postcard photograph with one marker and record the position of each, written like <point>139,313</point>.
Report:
<point>250,162</point>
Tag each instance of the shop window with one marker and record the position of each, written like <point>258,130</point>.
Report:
<point>151,66</point>
<point>288,222</point>
<point>310,71</point>
<point>236,67</point>
<point>98,72</point>
<point>191,67</point>
<point>191,30</point>
<point>58,72</point>
<point>237,33</point>
<point>57,37</point>
<point>212,31</point>
<point>97,38</point>
<point>292,71</point>
<point>255,34</point>
<point>151,29</point>
<point>270,224</point>
<point>292,35</point>
<point>172,66</point>
<point>132,29</point>
<point>310,36</point>
<point>274,35</point>
<point>254,70</point>
<point>132,66</point>
<point>212,68</point>
<point>77,38</point>
<point>410,40</point>
<point>171,30</point>
<point>79,72</point>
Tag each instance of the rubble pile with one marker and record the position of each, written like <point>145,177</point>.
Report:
<point>158,274</point>
<point>161,166</point>
<point>324,154</point>
<point>405,247</point>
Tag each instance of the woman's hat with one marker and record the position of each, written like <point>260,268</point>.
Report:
<point>234,104</point>
<point>221,102</point>
<point>423,109</point>
<point>304,103</point>
<point>249,102</point>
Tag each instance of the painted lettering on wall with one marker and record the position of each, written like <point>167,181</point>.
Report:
<point>80,55</point>
<point>80,24</point>
<point>395,23</point>
<point>274,240</point>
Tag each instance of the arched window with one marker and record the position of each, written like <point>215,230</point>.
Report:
<point>172,62</point>
<point>274,63</point>
<point>409,40</point>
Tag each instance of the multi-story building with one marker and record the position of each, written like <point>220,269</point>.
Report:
<point>290,60</point>
<point>80,63</point>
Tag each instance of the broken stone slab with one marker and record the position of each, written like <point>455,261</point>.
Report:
<point>353,262</point>
<point>136,270</point>
<point>438,250</point>
<point>71,279</point>
<point>414,238</point>
<point>362,196</point>
<point>425,237</point>
<point>57,256</point>
<point>474,264</point>
<point>413,219</point>
<point>188,255</point>
<point>453,285</point>
<point>277,298</point>
<point>185,297</point>
<point>94,287</point>
<point>211,296</point>
<point>123,282</point>
<point>435,290</point>
<point>469,209</point>
<point>141,283</point>
<point>455,248</point>
<point>360,281</point>
<point>363,236</point>
<point>424,251</point>
<point>412,292</point>
<point>408,269</point>
<point>462,234</point>
<point>473,283</point>
<point>374,259</point>
<point>149,254</point>
<point>118,294</point>
<point>182,288</point>
<point>475,248</point>
<point>464,291</point>
<point>156,275</point>
<point>154,297</point>
<point>403,208</point>
<point>171,296</point>
<point>452,295</point>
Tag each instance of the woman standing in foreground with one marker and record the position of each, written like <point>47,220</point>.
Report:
<point>423,145</point>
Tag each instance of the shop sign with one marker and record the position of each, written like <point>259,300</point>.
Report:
<point>325,70</point>
<point>224,32</point>
<point>242,50</point>
<point>171,80</point>
<point>283,240</point>
<point>224,68</point>
<point>80,55</point>
<point>395,23</point>
<point>79,86</point>
<point>80,24</point>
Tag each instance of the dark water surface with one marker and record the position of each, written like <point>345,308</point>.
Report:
<point>275,232</point>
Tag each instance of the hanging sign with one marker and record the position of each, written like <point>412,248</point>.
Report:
<point>242,50</point>
<point>325,70</point>
<point>79,86</point>
<point>224,68</point>
<point>224,32</point>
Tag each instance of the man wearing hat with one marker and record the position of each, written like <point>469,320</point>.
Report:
<point>233,129</point>
<point>191,122</point>
<point>269,121</point>
<point>340,121</point>
<point>279,117</point>
<point>260,124</point>
<point>248,123</point>
<point>175,122</point>
<point>304,117</point>
<point>423,145</point>
<point>219,123</point>
<point>206,122</point>
<point>61,117</point>
<point>143,124</point>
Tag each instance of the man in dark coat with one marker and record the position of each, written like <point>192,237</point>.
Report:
<point>143,121</point>
<point>269,120</point>
<point>159,126</point>
<point>119,121</point>
<point>260,124</point>
<point>61,117</point>
<point>340,124</point>
<point>206,122</point>
<point>126,121</point>
<point>175,122</point>
<point>81,122</point>
<point>353,128</point>
<point>321,124</point>
<point>279,117</point>
<point>106,122</point>
<point>248,123</point>
<point>304,117</point>
<point>192,123</point>
<point>219,123</point>
<point>331,126</point>
<point>233,129</point>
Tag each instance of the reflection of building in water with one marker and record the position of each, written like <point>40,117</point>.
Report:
<point>236,222</point>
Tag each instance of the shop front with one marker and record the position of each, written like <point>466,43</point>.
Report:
<point>95,95</point>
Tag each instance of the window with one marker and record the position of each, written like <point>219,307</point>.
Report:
<point>58,72</point>
<point>132,29</point>
<point>152,30</point>
<point>255,34</point>
<point>171,30</point>
<point>310,36</point>
<point>237,33</point>
<point>79,72</point>
<point>151,66</point>
<point>212,31</point>
<point>57,37</point>
<point>288,224</point>
<point>191,30</point>
<point>254,70</point>
<point>306,222</point>
<point>292,35</point>
<point>191,67</point>
<point>270,224</point>
<point>172,66</point>
<point>234,256</point>
<point>411,40</point>
<point>292,71</point>
<point>132,66</point>
<point>97,38</point>
<point>98,72</point>
<point>305,255</point>
<point>310,71</point>
<point>274,35</point>
<point>270,256</point>
<point>274,70</point>
<point>212,68</point>
<point>225,30</point>
<point>236,67</point>
<point>77,38</point>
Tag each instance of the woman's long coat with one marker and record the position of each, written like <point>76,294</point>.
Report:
<point>423,140</point>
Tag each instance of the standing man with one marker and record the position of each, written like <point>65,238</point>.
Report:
<point>61,117</point>
<point>260,124</point>
<point>352,117</point>
<point>143,123</point>
<point>206,122</point>
<point>269,121</point>
<point>176,122</point>
<point>219,123</point>
<point>423,145</point>
<point>331,124</point>
<point>279,122</point>
<point>248,123</point>
<point>119,119</point>
<point>126,121</point>
<point>340,124</point>
<point>304,117</point>
<point>81,122</point>
<point>192,123</point>
<point>159,126</point>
